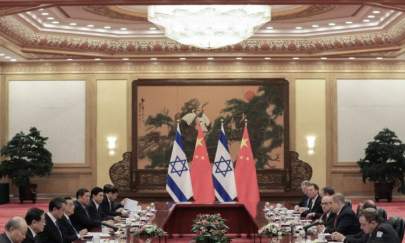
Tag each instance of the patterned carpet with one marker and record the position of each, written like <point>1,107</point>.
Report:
<point>396,208</point>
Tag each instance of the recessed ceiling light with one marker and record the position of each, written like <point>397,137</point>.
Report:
<point>7,57</point>
<point>324,58</point>
<point>125,59</point>
<point>73,24</point>
<point>153,58</point>
<point>97,59</point>
<point>107,27</point>
<point>315,26</point>
<point>55,22</point>
<point>298,28</point>
<point>41,9</point>
<point>2,54</point>
<point>50,18</point>
<point>90,25</point>
<point>44,14</point>
<point>379,58</point>
<point>267,58</point>
<point>152,28</point>
<point>371,16</point>
<point>69,59</point>
<point>182,58</point>
<point>349,22</point>
<point>366,20</point>
<point>269,27</point>
<point>352,58</point>
<point>210,58</point>
<point>376,12</point>
<point>331,24</point>
<point>13,60</point>
<point>123,29</point>
<point>238,58</point>
<point>295,58</point>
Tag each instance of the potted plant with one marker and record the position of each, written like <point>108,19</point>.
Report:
<point>384,164</point>
<point>25,157</point>
<point>147,232</point>
<point>210,228</point>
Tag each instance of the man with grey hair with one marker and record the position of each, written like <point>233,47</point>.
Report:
<point>346,222</point>
<point>305,199</point>
<point>15,231</point>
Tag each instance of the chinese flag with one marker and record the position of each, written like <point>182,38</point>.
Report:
<point>245,176</point>
<point>201,172</point>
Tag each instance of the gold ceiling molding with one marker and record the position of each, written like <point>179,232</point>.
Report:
<point>66,44</point>
<point>138,68</point>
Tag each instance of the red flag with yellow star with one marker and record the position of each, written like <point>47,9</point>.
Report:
<point>245,176</point>
<point>201,171</point>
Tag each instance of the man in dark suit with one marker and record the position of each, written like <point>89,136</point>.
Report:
<point>375,229</point>
<point>69,233</point>
<point>94,207</point>
<point>15,231</point>
<point>35,219</point>
<point>328,217</point>
<point>52,232</point>
<point>108,205</point>
<point>81,218</point>
<point>304,201</point>
<point>346,222</point>
<point>314,203</point>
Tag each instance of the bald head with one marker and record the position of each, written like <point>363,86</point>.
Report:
<point>16,228</point>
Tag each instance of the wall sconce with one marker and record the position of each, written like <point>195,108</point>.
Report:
<point>111,145</point>
<point>311,141</point>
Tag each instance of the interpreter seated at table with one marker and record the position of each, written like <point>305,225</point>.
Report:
<point>328,217</point>
<point>69,233</point>
<point>374,228</point>
<point>314,210</point>
<point>328,191</point>
<point>81,218</point>
<point>94,207</point>
<point>346,221</point>
<point>109,206</point>
<point>35,219</point>
<point>52,232</point>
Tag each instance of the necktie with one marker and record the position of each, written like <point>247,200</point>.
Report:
<point>310,204</point>
<point>60,232</point>
<point>70,223</point>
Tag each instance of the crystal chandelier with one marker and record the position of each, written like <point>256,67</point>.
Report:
<point>209,26</point>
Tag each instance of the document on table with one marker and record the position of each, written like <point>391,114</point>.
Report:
<point>131,205</point>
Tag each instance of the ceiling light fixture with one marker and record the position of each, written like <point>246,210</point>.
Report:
<point>2,54</point>
<point>55,22</point>
<point>315,26</point>
<point>269,27</point>
<point>209,26</point>
<point>371,16</point>
<point>73,24</point>
<point>69,59</point>
<point>238,58</point>
<point>349,22</point>
<point>352,58</point>
<point>366,20</point>
<point>331,24</point>
<point>295,58</point>
<point>90,25</point>
<point>379,58</point>
<point>182,58</point>
<point>376,12</point>
<point>97,59</point>
<point>153,59</point>
<point>152,28</point>
<point>107,27</point>
<point>298,28</point>
<point>7,57</point>
<point>267,58</point>
<point>210,58</point>
<point>324,58</point>
<point>125,59</point>
<point>50,18</point>
<point>13,60</point>
<point>123,29</point>
<point>45,14</point>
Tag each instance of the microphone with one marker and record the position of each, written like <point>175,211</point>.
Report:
<point>315,223</point>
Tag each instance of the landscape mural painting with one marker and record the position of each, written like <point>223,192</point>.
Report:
<point>161,104</point>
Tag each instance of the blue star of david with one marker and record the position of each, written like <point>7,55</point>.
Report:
<point>223,166</point>
<point>178,166</point>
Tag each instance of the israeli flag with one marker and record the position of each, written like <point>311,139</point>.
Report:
<point>223,171</point>
<point>178,182</point>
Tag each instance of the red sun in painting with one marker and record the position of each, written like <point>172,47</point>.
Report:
<point>249,95</point>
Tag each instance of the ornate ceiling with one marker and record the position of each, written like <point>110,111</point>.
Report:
<point>122,32</point>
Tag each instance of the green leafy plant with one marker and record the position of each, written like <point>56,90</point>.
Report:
<point>149,231</point>
<point>210,228</point>
<point>25,156</point>
<point>384,160</point>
